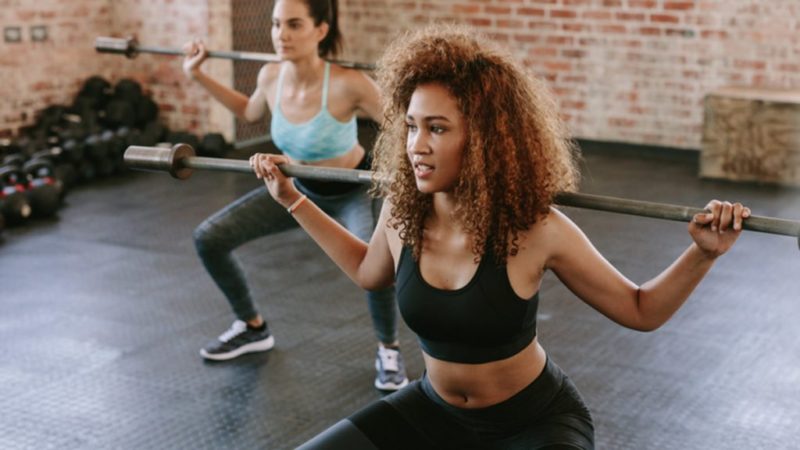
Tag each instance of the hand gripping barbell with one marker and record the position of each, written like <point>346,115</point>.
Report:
<point>180,161</point>
<point>130,47</point>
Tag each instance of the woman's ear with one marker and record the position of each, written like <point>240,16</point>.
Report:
<point>322,31</point>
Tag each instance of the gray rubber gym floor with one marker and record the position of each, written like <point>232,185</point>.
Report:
<point>103,311</point>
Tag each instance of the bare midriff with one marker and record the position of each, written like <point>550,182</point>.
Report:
<point>349,160</point>
<point>472,386</point>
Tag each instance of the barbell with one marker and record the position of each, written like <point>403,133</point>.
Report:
<point>130,47</point>
<point>180,161</point>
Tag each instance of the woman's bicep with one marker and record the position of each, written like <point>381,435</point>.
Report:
<point>368,97</point>
<point>590,276</point>
<point>377,268</point>
<point>257,104</point>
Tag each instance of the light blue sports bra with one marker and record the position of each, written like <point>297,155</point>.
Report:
<point>322,137</point>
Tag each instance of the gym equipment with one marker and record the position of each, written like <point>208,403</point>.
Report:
<point>44,190</point>
<point>14,205</point>
<point>180,162</point>
<point>130,47</point>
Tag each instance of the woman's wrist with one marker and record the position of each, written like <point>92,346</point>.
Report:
<point>296,204</point>
<point>193,74</point>
<point>705,255</point>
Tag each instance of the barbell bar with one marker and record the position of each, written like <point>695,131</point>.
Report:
<point>131,48</point>
<point>180,161</point>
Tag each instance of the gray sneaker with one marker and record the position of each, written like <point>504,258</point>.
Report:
<point>391,372</point>
<point>238,340</point>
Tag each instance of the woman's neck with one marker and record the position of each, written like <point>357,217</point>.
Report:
<point>305,72</point>
<point>444,205</point>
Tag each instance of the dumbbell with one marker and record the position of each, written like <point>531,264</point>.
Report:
<point>63,170</point>
<point>44,189</point>
<point>14,204</point>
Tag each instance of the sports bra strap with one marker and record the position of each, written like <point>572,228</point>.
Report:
<point>325,86</point>
<point>280,85</point>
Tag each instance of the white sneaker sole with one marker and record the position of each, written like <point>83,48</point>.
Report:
<point>260,346</point>
<point>388,386</point>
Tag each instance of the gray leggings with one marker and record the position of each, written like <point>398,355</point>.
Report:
<point>547,414</point>
<point>255,215</point>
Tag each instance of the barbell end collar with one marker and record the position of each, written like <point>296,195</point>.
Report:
<point>160,159</point>
<point>121,46</point>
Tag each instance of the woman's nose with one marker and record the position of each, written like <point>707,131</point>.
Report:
<point>417,144</point>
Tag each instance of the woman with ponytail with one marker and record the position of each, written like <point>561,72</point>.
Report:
<point>314,104</point>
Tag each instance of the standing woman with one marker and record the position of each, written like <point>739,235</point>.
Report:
<point>314,105</point>
<point>474,152</point>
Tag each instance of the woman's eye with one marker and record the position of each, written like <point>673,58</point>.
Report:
<point>411,127</point>
<point>437,130</point>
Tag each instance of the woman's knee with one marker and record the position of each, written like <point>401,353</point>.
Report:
<point>209,238</point>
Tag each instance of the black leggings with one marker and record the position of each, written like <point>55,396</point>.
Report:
<point>548,414</point>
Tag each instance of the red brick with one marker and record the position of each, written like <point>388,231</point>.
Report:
<point>567,104</point>
<point>650,31</point>
<point>538,12</point>
<point>563,14</point>
<point>508,23</point>
<point>491,9</point>
<point>479,22</point>
<point>543,52</point>
<point>466,9</point>
<point>714,34</point>
<point>597,15</point>
<point>674,5</point>
<point>527,38</point>
<point>573,53</point>
<point>612,29</point>
<point>664,18</point>
<point>642,4</point>
<point>629,16</point>
<point>622,122</point>
<point>574,27</point>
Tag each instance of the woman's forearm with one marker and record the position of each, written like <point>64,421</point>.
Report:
<point>235,101</point>
<point>659,298</point>
<point>344,248</point>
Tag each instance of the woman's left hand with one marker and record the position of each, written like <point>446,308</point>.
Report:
<point>265,165</point>
<point>716,230</point>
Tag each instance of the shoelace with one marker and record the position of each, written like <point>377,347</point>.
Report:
<point>236,329</point>
<point>388,358</point>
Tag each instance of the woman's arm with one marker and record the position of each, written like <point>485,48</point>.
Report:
<point>370,266</point>
<point>593,279</point>
<point>250,109</point>
<point>366,95</point>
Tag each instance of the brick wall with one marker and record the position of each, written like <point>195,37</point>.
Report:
<point>37,74</point>
<point>624,70</point>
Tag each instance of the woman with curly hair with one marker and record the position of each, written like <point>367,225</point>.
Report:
<point>472,153</point>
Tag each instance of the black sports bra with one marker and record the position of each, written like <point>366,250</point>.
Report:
<point>481,322</point>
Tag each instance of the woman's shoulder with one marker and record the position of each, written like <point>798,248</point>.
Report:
<point>268,73</point>
<point>352,79</point>
<point>548,231</point>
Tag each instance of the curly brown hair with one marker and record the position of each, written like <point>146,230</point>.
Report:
<point>517,153</point>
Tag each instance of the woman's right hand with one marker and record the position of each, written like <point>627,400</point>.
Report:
<point>196,53</point>
<point>281,188</point>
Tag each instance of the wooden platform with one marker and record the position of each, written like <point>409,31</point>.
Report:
<point>752,135</point>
